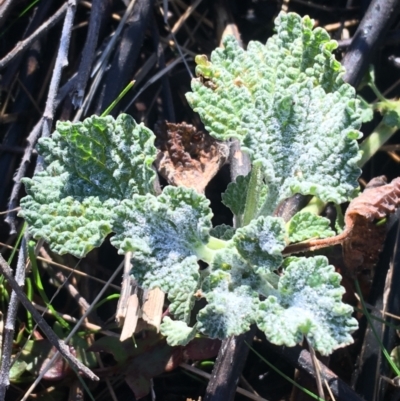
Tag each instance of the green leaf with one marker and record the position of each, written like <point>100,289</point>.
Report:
<point>261,243</point>
<point>177,333</point>
<point>113,157</point>
<point>392,118</point>
<point>367,110</point>
<point>92,166</point>
<point>307,225</point>
<point>222,231</point>
<point>261,280</point>
<point>167,235</point>
<point>18,368</point>
<point>235,195</point>
<point>287,104</point>
<point>230,310</point>
<point>309,304</point>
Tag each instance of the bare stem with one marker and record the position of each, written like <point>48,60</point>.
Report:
<point>9,328</point>
<point>55,341</point>
<point>25,44</point>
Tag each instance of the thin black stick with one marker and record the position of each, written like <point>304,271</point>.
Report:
<point>61,62</point>
<point>55,341</point>
<point>369,35</point>
<point>301,359</point>
<point>126,55</point>
<point>88,52</point>
<point>25,44</point>
<point>9,327</point>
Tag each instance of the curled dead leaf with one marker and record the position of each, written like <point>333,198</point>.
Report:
<point>362,239</point>
<point>187,157</point>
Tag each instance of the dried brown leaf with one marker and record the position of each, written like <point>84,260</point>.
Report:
<point>362,239</point>
<point>188,157</point>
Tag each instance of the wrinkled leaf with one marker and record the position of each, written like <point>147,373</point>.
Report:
<point>230,309</point>
<point>309,304</point>
<point>177,332</point>
<point>235,195</point>
<point>287,104</point>
<point>261,243</point>
<point>91,167</point>
<point>306,225</point>
<point>223,231</point>
<point>167,235</point>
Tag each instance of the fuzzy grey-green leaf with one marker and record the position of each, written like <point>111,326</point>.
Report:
<point>309,304</point>
<point>91,167</point>
<point>167,235</point>
<point>230,309</point>
<point>261,243</point>
<point>287,104</point>
<point>177,332</point>
<point>235,195</point>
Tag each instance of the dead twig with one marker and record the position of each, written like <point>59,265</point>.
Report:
<point>73,332</point>
<point>25,44</point>
<point>370,33</point>
<point>5,9</point>
<point>61,62</point>
<point>55,341</point>
<point>9,327</point>
<point>13,202</point>
<point>88,51</point>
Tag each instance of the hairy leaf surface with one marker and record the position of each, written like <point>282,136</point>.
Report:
<point>91,166</point>
<point>230,310</point>
<point>287,104</point>
<point>177,332</point>
<point>167,235</point>
<point>309,304</point>
<point>261,243</point>
<point>306,225</point>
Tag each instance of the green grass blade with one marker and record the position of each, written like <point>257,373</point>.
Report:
<point>39,285</point>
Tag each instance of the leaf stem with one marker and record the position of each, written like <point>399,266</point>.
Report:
<point>253,193</point>
<point>373,142</point>
<point>315,206</point>
<point>216,243</point>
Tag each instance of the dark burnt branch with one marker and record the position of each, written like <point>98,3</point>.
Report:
<point>168,104</point>
<point>88,52</point>
<point>17,63</point>
<point>5,9</point>
<point>228,367</point>
<point>125,58</point>
<point>369,35</point>
<point>25,44</point>
<point>301,359</point>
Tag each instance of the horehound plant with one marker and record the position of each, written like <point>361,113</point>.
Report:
<point>287,104</point>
